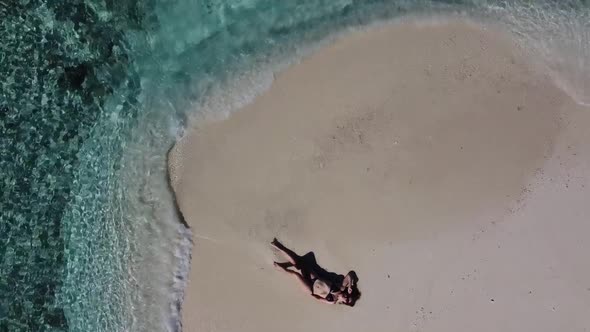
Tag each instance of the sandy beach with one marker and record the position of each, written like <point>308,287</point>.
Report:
<point>432,158</point>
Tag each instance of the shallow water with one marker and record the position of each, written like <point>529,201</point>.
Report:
<point>93,95</point>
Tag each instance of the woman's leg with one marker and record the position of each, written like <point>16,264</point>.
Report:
<point>304,282</point>
<point>284,265</point>
<point>291,255</point>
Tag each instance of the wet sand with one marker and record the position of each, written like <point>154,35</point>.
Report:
<point>430,158</point>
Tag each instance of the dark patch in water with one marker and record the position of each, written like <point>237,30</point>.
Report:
<point>74,77</point>
<point>51,95</point>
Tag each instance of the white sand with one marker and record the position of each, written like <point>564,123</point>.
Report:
<point>430,159</point>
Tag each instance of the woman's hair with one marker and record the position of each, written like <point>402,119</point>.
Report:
<point>354,296</point>
<point>355,293</point>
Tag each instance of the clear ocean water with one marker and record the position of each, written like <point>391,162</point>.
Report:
<point>93,93</point>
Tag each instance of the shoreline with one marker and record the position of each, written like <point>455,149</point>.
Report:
<point>237,196</point>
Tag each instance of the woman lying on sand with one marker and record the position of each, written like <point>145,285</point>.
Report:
<point>325,286</point>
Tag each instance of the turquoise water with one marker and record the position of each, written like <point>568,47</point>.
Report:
<point>94,93</point>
